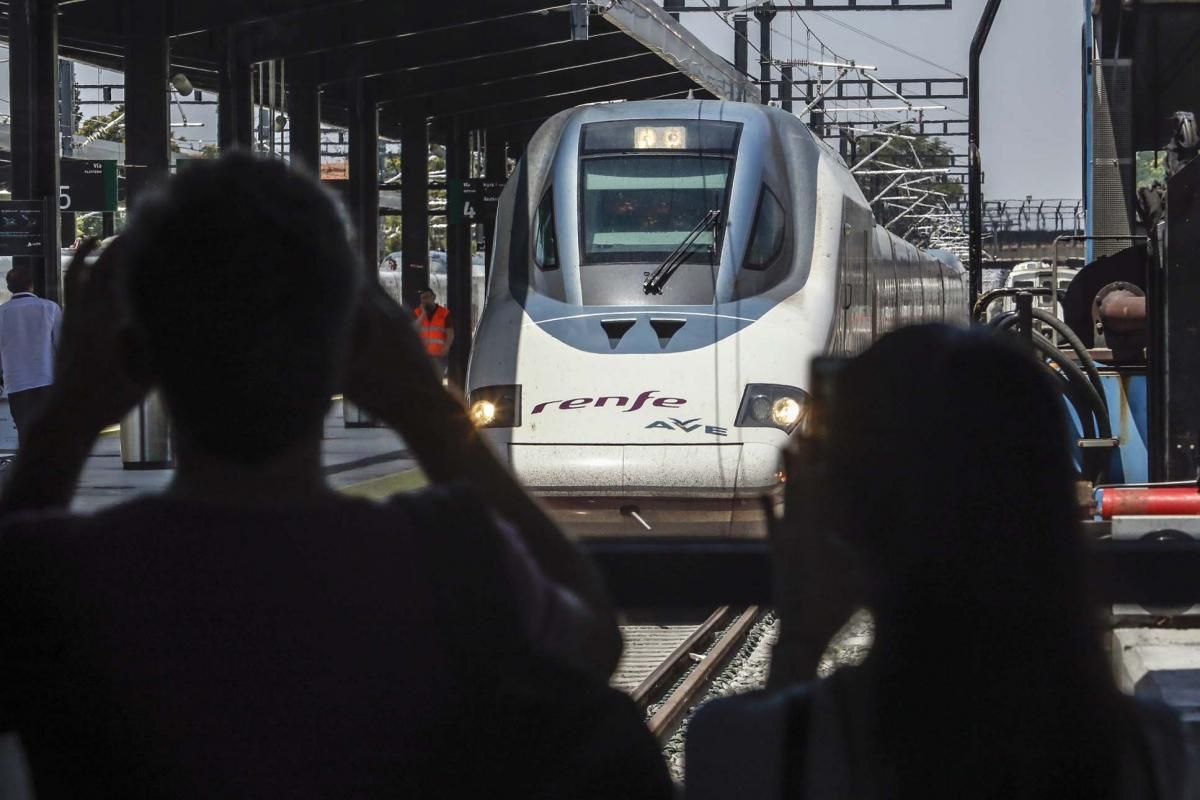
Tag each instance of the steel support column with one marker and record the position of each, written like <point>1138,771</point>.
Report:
<point>765,13</point>
<point>785,88</point>
<point>458,254</point>
<point>414,203</point>
<point>33,79</point>
<point>363,199</point>
<point>975,180</point>
<point>364,173</point>
<point>304,116</point>
<point>147,97</point>
<point>145,431</point>
<point>234,111</point>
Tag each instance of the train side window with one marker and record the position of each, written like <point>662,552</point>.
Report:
<point>767,240</point>
<point>545,241</point>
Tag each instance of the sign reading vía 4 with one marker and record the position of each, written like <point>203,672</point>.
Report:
<point>626,407</point>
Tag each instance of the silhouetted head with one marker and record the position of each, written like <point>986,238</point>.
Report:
<point>951,463</point>
<point>20,279</point>
<point>428,299</point>
<point>954,448</point>
<point>242,284</point>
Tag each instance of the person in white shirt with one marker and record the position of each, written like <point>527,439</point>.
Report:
<point>29,328</point>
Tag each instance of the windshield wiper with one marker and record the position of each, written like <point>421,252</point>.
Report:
<point>656,280</point>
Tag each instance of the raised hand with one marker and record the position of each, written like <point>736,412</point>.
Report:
<point>817,585</point>
<point>96,379</point>
<point>388,372</point>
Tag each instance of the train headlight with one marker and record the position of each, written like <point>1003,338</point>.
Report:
<point>483,413</point>
<point>785,412</point>
<point>771,405</point>
<point>495,406</point>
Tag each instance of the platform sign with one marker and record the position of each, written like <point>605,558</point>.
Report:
<point>20,228</point>
<point>87,185</point>
<point>472,200</point>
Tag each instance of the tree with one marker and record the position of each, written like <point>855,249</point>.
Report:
<point>1151,168</point>
<point>110,127</point>
<point>930,153</point>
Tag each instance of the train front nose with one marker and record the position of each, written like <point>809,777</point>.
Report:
<point>680,489</point>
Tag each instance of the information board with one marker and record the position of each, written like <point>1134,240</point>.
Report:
<point>87,185</point>
<point>472,200</point>
<point>20,228</point>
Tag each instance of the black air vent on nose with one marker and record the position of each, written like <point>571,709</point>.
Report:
<point>616,328</point>
<point>666,328</point>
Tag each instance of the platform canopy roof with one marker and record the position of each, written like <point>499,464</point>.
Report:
<point>1162,38</point>
<point>495,63</point>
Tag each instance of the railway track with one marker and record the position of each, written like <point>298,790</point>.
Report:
<point>668,669</point>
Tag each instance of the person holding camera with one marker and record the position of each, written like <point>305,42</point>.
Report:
<point>251,632</point>
<point>935,487</point>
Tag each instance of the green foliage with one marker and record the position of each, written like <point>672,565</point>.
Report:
<point>92,224</point>
<point>392,230</point>
<point>1151,168</point>
<point>931,152</point>
<point>100,127</point>
<point>94,127</point>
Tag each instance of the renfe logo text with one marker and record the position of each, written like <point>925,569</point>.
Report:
<point>614,401</point>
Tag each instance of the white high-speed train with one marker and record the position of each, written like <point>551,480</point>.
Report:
<point>663,274</point>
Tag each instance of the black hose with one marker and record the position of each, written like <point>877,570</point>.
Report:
<point>1079,390</point>
<point>1085,358</point>
<point>1096,400</point>
<point>1090,373</point>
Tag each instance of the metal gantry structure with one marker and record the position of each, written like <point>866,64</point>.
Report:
<point>464,76</point>
<point>410,74</point>
<point>841,98</point>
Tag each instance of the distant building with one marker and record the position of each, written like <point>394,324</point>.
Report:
<point>335,171</point>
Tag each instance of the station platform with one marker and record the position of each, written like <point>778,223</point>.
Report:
<point>1160,664</point>
<point>369,462</point>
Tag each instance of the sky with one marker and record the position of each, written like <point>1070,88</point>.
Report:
<point>1030,77</point>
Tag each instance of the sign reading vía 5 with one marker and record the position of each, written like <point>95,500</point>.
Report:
<point>613,401</point>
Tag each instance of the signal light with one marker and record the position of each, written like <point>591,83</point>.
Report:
<point>671,137</point>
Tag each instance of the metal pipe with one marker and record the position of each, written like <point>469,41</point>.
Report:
<point>1025,317</point>
<point>1123,312</point>
<point>975,180</point>
<point>1073,238</point>
<point>1159,500</point>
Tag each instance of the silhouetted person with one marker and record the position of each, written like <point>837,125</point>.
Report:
<point>936,489</point>
<point>28,338</point>
<point>251,632</point>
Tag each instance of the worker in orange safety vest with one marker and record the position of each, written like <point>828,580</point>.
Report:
<point>435,326</point>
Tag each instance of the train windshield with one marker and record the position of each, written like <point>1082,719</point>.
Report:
<point>639,208</point>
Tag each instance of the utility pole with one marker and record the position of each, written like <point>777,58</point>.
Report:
<point>975,180</point>
<point>741,43</point>
<point>765,13</point>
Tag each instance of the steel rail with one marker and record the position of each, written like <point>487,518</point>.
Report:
<point>664,721</point>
